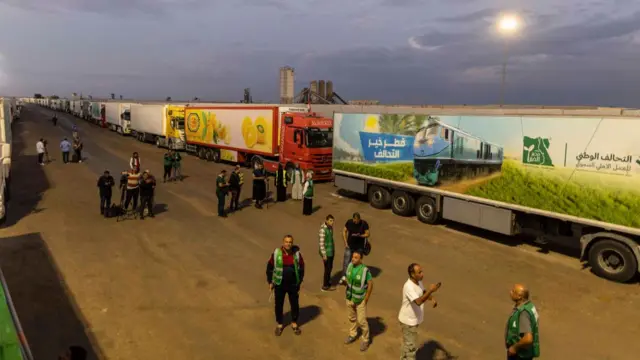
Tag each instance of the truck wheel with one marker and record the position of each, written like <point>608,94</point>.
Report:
<point>215,155</point>
<point>158,142</point>
<point>613,260</point>
<point>208,155</point>
<point>379,197</point>
<point>427,211</point>
<point>402,203</point>
<point>202,153</point>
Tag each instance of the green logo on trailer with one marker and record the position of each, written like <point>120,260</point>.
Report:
<point>535,151</point>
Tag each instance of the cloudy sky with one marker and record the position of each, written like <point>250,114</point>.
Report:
<point>570,52</point>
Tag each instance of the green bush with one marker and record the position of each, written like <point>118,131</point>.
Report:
<point>398,171</point>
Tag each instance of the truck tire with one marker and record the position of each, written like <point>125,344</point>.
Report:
<point>202,153</point>
<point>613,260</point>
<point>215,154</point>
<point>402,203</point>
<point>158,142</point>
<point>427,210</point>
<point>379,197</point>
<point>208,154</point>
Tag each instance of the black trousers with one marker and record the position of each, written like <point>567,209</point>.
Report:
<point>235,199</point>
<point>221,199</point>
<point>279,294</point>
<point>146,201</point>
<point>40,158</point>
<point>65,157</point>
<point>105,203</point>
<point>132,194</point>
<point>167,172</point>
<point>79,154</point>
<point>328,268</point>
<point>307,206</point>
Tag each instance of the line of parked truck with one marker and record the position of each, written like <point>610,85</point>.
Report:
<point>562,175</point>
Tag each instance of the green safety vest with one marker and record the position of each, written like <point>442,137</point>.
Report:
<point>357,283</point>
<point>294,176</point>
<point>278,179</point>
<point>168,160</point>
<point>176,160</point>
<point>513,330</point>
<point>326,235</point>
<point>278,267</point>
<point>240,178</point>
<point>309,192</point>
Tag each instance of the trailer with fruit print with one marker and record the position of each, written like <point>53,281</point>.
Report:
<point>267,134</point>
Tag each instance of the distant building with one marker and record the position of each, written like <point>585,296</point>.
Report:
<point>287,91</point>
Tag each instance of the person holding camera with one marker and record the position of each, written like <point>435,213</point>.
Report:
<point>147,189</point>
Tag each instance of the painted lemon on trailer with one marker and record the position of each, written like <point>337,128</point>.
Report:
<point>193,122</point>
<point>251,137</point>
<point>246,124</point>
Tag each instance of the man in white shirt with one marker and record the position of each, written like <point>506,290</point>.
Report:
<point>41,150</point>
<point>412,310</point>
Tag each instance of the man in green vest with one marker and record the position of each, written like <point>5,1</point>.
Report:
<point>307,193</point>
<point>359,287</point>
<point>521,333</point>
<point>326,248</point>
<point>177,166</point>
<point>221,191</point>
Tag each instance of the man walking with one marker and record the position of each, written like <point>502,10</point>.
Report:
<point>326,251</point>
<point>285,272</point>
<point>40,150</point>
<point>77,148</point>
<point>105,185</point>
<point>65,147</point>
<point>412,310</point>
<point>236,180</point>
<point>147,188</point>
<point>354,234</point>
<point>221,191</point>
<point>521,335</point>
<point>177,166</point>
<point>359,287</point>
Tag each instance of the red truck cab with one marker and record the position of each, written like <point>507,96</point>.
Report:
<point>307,139</point>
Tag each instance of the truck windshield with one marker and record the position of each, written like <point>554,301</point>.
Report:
<point>126,115</point>
<point>319,138</point>
<point>180,123</point>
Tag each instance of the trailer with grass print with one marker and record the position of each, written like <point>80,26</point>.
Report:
<point>567,175</point>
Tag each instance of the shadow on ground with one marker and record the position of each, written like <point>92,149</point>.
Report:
<point>45,307</point>
<point>433,350</point>
<point>376,327</point>
<point>28,180</point>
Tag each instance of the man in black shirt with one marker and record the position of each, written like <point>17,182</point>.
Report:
<point>354,234</point>
<point>235,186</point>
<point>105,184</point>
<point>147,188</point>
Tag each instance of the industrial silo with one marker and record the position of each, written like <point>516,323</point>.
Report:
<point>321,90</point>
<point>313,89</point>
<point>329,90</point>
<point>287,77</point>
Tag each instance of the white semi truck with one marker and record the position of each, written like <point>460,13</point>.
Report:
<point>159,123</point>
<point>562,175</point>
<point>118,116</point>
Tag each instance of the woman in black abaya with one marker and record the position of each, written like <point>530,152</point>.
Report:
<point>259,185</point>
<point>281,184</point>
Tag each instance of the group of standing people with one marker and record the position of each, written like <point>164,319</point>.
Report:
<point>232,186</point>
<point>65,147</point>
<point>286,270</point>
<point>302,187</point>
<point>172,162</point>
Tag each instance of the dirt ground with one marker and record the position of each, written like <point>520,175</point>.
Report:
<point>188,285</point>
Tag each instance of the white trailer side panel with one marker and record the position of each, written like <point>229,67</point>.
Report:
<point>148,118</point>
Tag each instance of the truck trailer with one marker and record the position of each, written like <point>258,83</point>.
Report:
<point>118,116</point>
<point>97,113</point>
<point>566,175</point>
<point>159,123</point>
<point>267,134</point>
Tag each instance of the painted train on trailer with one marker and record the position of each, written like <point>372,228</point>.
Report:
<point>442,152</point>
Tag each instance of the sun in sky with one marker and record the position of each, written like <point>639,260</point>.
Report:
<point>371,124</point>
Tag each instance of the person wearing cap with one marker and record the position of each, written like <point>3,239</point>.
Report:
<point>147,188</point>
<point>359,283</point>
<point>221,191</point>
<point>236,180</point>
<point>177,166</point>
<point>105,184</point>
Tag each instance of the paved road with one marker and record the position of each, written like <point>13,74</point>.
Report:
<point>187,285</point>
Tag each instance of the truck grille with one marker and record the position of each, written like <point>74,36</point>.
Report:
<point>322,160</point>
